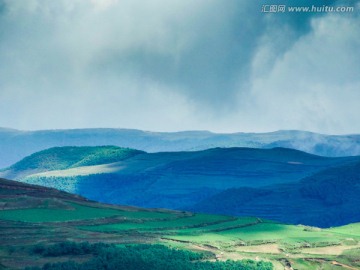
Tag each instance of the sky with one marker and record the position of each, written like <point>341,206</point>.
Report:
<point>163,65</point>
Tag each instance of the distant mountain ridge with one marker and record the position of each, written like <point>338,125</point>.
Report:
<point>15,144</point>
<point>270,183</point>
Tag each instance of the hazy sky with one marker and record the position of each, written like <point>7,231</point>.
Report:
<point>178,65</point>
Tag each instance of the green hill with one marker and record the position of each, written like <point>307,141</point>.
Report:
<point>61,158</point>
<point>46,226</point>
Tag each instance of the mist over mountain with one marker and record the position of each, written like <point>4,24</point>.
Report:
<point>16,144</point>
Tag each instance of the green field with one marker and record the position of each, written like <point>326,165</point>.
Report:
<point>196,220</point>
<point>262,233</point>
<point>76,212</point>
<point>349,230</point>
<point>251,238</point>
<point>201,228</point>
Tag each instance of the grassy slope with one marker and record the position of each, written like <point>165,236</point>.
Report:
<point>75,212</point>
<point>57,216</point>
<point>60,158</point>
<point>348,230</point>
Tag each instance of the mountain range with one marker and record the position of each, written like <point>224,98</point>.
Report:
<point>16,144</point>
<point>280,184</point>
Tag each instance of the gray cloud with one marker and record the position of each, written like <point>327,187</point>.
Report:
<point>164,65</point>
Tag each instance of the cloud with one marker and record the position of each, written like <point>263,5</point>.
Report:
<point>164,65</point>
<point>315,84</point>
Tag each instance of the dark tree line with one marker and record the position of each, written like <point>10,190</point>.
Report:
<point>138,257</point>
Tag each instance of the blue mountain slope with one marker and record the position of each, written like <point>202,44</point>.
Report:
<point>327,198</point>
